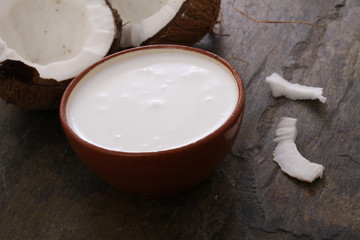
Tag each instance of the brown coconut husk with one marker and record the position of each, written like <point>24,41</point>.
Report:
<point>193,21</point>
<point>21,84</point>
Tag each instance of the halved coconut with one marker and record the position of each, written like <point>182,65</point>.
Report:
<point>165,21</point>
<point>45,43</point>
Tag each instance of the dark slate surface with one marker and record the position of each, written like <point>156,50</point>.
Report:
<point>47,193</point>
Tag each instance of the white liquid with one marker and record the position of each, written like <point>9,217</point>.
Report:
<point>155,100</point>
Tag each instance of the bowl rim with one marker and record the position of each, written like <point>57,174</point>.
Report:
<point>238,111</point>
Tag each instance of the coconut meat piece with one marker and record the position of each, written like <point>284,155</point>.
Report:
<point>288,157</point>
<point>280,87</point>
<point>142,19</point>
<point>60,38</point>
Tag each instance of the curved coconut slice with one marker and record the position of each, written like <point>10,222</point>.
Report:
<point>45,43</point>
<point>280,87</point>
<point>288,157</point>
<point>165,21</point>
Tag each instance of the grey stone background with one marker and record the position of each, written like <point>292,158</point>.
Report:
<point>47,193</point>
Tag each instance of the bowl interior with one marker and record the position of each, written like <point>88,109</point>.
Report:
<point>235,90</point>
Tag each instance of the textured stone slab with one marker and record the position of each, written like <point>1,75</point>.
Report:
<point>47,193</point>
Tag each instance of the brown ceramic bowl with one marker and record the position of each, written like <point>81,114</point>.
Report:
<point>162,173</point>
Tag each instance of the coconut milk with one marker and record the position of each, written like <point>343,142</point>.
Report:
<point>152,100</point>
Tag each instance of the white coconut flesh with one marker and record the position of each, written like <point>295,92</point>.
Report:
<point>142,19</point>
<point>60,38</point>
<point>289,158</point>
<point>281,87</point>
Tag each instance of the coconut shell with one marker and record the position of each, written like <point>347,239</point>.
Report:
<point>193,21</point>
<point>21,84</point>
<point>115,46</point>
